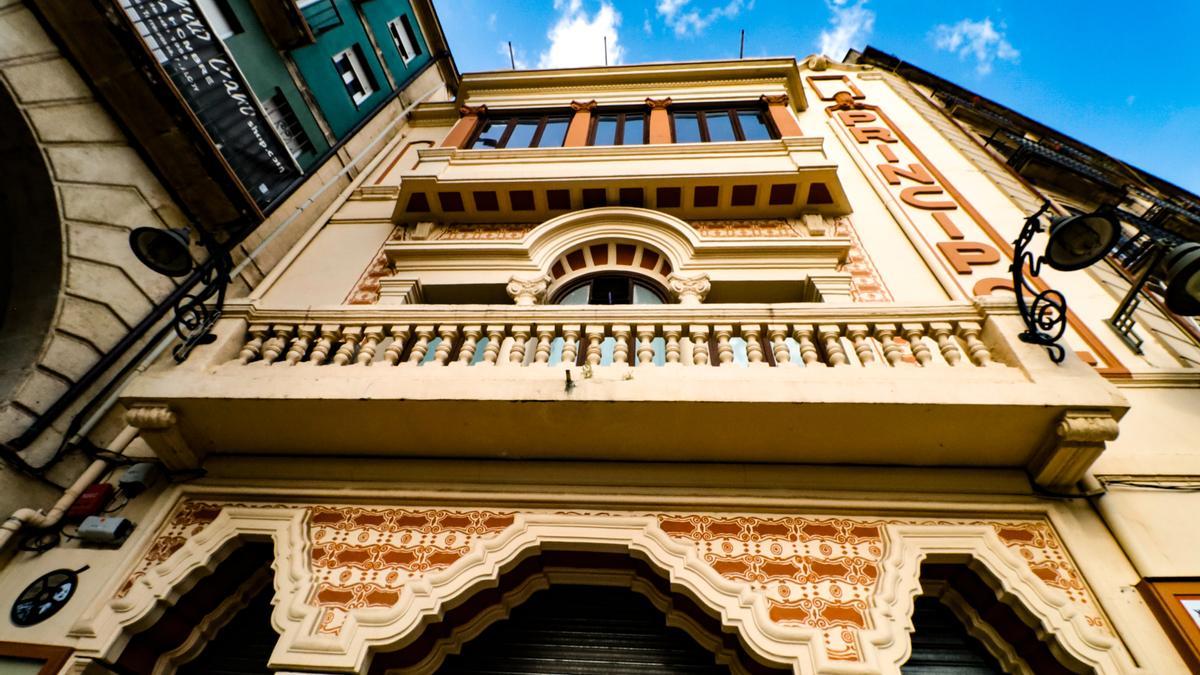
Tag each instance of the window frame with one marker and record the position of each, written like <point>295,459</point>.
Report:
<point>512,120</point>
<point>590,279</point>
<point>620,135</point>
<point>731,111</point>
<point>362,72</point>
<point>404,38</point>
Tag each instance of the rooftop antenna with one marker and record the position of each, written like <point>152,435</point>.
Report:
<point>511,58</point>
<point>742,46</point>
<point>606,50</point>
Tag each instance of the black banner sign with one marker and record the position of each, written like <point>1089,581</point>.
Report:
<point>183,42</point>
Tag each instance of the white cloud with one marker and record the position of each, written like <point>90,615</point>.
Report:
<point>688,21</point>
<point>978,39</point>
<point>850,25</point>
<point>577,39</point>
<point>491,21</point>
<point>1130,99</point>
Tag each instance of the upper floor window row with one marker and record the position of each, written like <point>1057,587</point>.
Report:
<point>546,129</point>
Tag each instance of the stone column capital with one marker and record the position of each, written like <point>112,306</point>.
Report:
<point>689,290</point>
<point>588,106</point>
<point>473,110</point>
<point>775,99</point>
<point>525,292</point>
<point>658,103</point>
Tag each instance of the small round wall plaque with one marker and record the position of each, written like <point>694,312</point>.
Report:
<point>45,596</point>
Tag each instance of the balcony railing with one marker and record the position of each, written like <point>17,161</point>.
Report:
<point>802,383</point>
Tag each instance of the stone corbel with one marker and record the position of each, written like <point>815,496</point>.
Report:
<point>1077,442</point>
<point>396,290</point>
<point>526,292</point>
<point>157,425</point>
<point>831,286</point>
<point>689,290</point>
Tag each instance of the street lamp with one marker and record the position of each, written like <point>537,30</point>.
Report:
<point>1075,243</point>
<point>166,252</point>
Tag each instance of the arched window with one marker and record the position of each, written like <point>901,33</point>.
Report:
<point>610,289</point>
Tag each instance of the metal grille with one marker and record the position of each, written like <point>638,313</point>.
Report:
<point>941,645</point>
<point>283,118</point>
<point>583,630</point>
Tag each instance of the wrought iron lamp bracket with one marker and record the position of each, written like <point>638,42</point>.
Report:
<point>197,311</point>
<point>1045,316</point>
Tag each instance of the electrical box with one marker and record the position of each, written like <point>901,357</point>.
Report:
<point>104,529</point>
<point>91,502</point>
<point>138,478</point>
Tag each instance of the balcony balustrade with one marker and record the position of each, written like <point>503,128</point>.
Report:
<point>808,383</point>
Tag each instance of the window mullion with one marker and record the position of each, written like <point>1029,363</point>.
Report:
<point>508,129</point>
<point>537,135</point>
<point>702,123</point>
<point>737,125</point>
<point>620,138</point>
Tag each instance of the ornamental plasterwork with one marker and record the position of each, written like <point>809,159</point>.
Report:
<point>865,283</point>
<point>814,590</point>
<point>767,227</point>
<point>483,231</point>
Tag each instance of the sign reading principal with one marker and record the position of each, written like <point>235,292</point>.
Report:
<point>186,47</point>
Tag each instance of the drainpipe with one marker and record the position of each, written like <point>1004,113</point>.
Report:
<point>40,520</point>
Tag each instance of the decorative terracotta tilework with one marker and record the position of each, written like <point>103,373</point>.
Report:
<point>363,557</point>
<point>366,290</point>
<point>865,283</point>
<point>483,231</point>
<point>818,573</point>
<point>188,520</point>
<point>770,227</point>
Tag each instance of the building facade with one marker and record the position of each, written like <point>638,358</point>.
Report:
<point>734,340</point>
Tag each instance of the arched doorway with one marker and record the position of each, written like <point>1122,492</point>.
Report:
<point>577,612</point>
<point>31,255</point>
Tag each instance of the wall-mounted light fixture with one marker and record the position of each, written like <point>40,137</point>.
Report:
<point>166,252</point>
<point>1075,243</point>
<point>1179,267</point>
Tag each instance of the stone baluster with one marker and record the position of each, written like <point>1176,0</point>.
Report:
<point>830,335</point>
<point>516,355</point>
<point>304,336</point>
<point>399,339</point>
<point>421,346</point>
<point>978,352</point>
<point>253,347</point>
<point>699,337</point>
<point>350,338</point>
<point>449,335</point>
<point>621,344</point>
<point>944,334</point>
<point>808,349</point>
<point>329,336</point>
<point>645,348</point>
<point>491,353</point>
<point>915,333</point>
<point>466,353</point>
<point>886,334</point>
<point>276,345</point>
<point>859,337</point>
<point>595,335</point>
<point>372,336</point>
<point>777,334</point>
<point>672,348</point>
<point>545,336</point>
<point>570,349</point>
<point>752,334</point>
<point>724,346</point>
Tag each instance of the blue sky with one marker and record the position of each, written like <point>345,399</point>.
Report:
<point>1123,81</point>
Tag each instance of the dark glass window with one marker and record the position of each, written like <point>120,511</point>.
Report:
<point>723,125</point>
<point>522,133</point>
<point>606,130</point>
<point>754,125</point>
<point>610,289</point>
<point>546,131</point>
<point>554,133</point>
<point>687,127</point>
<point>635,130</point>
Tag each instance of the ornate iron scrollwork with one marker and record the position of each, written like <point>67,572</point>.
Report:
<point>197,311</point>
<point>1045,316</point>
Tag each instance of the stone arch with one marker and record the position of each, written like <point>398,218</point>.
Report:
<point>87,188</point>
<point>31,259</point>
<point>348,585</point>
<point>663,233</point>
